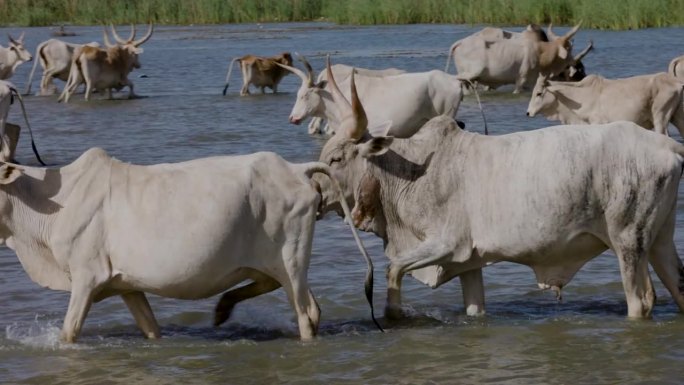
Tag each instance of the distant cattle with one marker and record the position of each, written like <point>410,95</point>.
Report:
<point>517,60</point>
<point>262,72</point>
<point>99,227</point>
<point>651,101</point>
<point>447,202</point>
<point>55,57</point>
<point>11,57</point>
<point>104,69</point>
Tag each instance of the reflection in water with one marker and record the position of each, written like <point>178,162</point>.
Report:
<point>527,337</point>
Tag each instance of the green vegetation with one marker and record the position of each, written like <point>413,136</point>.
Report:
<point>611,14</point>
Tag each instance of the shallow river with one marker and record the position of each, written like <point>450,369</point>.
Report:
<point>527,336</point>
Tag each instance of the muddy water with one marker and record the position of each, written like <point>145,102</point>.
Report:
<point>527,336</point>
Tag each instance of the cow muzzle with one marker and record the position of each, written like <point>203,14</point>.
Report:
<point>296,121</point>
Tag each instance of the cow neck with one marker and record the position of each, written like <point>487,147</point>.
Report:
<point>330,110</point>
<point>5,70</point>
<point>414,171</point>
<point>44,208</point>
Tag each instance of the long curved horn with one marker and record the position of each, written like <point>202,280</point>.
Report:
<point>552,36</point>
<point>116,35</point>
<point>337,94</point>
<point>360,116</point>
<point>572,32</point>
<point>106,38</point>
<point>584,52</point>
<point>295,71</point>
<point>145,38</point>
<point>309,69</point>
<point>132,35</point>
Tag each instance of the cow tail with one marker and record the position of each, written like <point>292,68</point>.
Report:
<point>451,52</point>
<point>477,97</point>
<point>230,69</point>
<point>317,167</point>
<point>23,110</point>
<point>39,54</point>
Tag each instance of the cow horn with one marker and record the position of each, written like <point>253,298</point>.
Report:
<point>584,51</point>
<point>360,116</point>
<point>572,32</point>
<point>552,36</point>
<point>308,67</point>
<point>145,38</point>
<point>21,38</point>
<point>295,71</point>
<point>337,94</point>
<point>116,35</point>
<point>106,38</point>
<point>11,39</point>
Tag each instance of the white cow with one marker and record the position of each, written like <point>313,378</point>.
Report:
<point>399,103</point>
<point>676,67</point>
<point>99,227</point>
<point>9,133</point>
<point>448,202</point>
<point>12,56</point>
<point>651,101</point>
<point>341,73</point>
<point>518,61</point>
<point>55,57</point>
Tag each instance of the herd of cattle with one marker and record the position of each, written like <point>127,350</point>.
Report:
<point>430,190</point>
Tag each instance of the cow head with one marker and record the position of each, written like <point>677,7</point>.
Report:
<point>310,94</point>
<point>130,47</point>
<point>556,55</point>
<point>575,71</point>
<point>347,150</point>
<point>17,46</point>
<point>543,97</point>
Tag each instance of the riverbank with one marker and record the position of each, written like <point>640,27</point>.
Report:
<point>605,14</point>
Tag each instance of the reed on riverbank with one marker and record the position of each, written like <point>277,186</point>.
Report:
<point>609,14</point>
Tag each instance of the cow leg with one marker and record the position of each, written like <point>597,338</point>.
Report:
<point>666,262</point>
<point>472,286</point>
<point>635,278</point>
<point>9,142</point>
<point>428,253</point>
<point>295,255</point>
<point>262,284</point>
<point>84,286</point>
<point>315,125</point>
<point>246,76</point>
<point>142,312</point>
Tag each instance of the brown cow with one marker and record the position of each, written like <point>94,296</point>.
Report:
<point>260,71</point>
<point>104,69</point>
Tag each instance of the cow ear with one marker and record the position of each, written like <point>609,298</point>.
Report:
<point>9,173</point>
<point>381,129</point>
<point>375,146</point>
<point>562,52</point>
<point>138,50</point>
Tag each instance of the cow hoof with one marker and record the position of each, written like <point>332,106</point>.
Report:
<point>393,313</point>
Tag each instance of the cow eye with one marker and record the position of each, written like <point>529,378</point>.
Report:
<point>335,159</point>
<point>539,94</point>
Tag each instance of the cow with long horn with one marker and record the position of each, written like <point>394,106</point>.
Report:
<point>496,62</point>
<point>448,202</point>
<point>104,69</point>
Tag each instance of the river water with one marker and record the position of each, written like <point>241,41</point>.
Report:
<point>527,336</point>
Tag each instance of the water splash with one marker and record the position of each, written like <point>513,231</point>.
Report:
<point>40,334</point>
